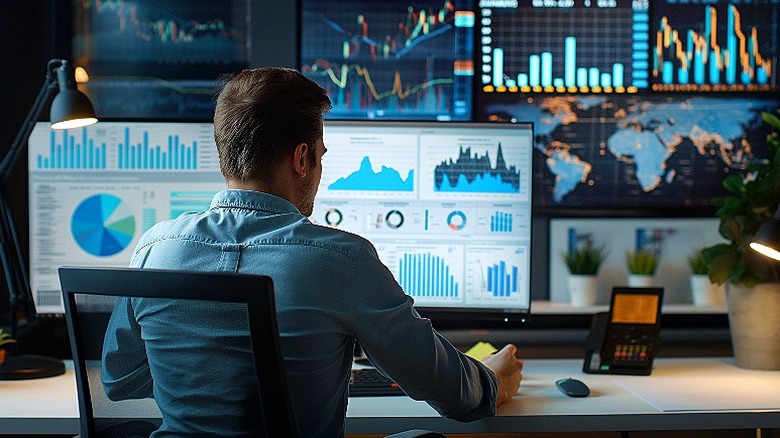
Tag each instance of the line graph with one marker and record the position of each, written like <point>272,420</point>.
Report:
<point>167,32</point>
<point>340,77</point>
<point>389,60</point>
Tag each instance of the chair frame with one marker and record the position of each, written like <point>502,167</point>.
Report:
<point>256,291</point>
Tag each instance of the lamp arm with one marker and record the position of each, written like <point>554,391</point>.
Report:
<point>20,142</point>
<point>14,267</point>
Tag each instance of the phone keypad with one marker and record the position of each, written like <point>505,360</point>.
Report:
<point>631,352</point>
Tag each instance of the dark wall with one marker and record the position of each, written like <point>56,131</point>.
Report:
<point>34,31</point>
<point>27,42</point>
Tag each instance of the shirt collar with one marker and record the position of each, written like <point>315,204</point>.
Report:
<point>252,200</point>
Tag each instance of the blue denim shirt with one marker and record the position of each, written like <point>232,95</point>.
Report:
<point>331,289</point>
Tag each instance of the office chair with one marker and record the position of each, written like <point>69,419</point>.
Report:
<point>89,295</point>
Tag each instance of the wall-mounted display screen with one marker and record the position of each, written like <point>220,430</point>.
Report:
<point>641,152</point>
<point>391,59</point>
<point>158,59</point>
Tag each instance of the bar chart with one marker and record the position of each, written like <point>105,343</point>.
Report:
<point>501,222</point>
<point>67,151</point>
<point>721,47</point>
<point>426,275</point>
<point>530,48</point>
<point>174,154</point>
<point>501,279</point>
<point>126,147</point>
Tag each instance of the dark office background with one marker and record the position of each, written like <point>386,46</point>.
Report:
<point>30,37</point>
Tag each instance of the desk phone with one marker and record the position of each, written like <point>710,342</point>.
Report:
<point>626,339</point>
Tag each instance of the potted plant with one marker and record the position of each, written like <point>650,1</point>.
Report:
<point>583,264</point>
<point>5,339</point>
<point>703,291</point>
<point>753,281</point>
<point>641,264</point>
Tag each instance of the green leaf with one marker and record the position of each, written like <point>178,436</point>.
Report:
<point>712,252</point>
<point>731,230</point>
<point>734,184</point>
<point>721,266</point>
<point>770,119</point>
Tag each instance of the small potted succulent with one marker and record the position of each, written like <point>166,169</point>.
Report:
<point>583,264</point>
<point>641,264</point>
<point>5,339</point>
<point>703,291</point>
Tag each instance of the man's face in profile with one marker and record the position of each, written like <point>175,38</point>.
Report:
<point>309,189</point>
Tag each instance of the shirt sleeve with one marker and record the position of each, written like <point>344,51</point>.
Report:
<point>125,373</point>
<point>406,348</point>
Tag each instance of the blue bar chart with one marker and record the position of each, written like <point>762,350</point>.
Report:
<point>501,222</point>
<point>536,48</point>
<point>67,151</point>
<point>174,154</point>
<point>125,147</point>
<point>425,275</point>
<point>501,279</point>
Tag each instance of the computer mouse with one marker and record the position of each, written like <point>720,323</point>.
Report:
<point>573,387</point>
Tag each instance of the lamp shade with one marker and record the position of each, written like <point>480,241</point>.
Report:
<point>767,239</point>
<point>70,107</point>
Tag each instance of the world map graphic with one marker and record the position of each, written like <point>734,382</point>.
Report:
<point>618,152</point>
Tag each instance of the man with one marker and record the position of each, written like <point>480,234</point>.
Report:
<point>331,289</point>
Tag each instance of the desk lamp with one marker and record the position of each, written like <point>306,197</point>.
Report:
<point>766,241</point>
<point>69,109</point>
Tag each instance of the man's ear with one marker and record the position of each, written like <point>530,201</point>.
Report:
<point>300,162</point>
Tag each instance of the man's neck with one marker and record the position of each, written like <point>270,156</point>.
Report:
<point>279,190</point>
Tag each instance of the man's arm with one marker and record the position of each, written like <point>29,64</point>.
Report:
<point>406,347</point>
<point>125,372</point>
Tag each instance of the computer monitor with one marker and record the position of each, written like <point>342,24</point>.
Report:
<point>447,205</point>
<point>389,59</point>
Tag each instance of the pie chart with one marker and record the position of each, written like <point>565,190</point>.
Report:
<point>103,225</point>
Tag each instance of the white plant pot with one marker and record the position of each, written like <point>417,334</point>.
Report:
<point>705,293</point>
<point>640,280</point>
<point>755,325</point>
<point>582,290</point>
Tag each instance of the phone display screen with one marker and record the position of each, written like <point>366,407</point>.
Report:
<point>635,309</point>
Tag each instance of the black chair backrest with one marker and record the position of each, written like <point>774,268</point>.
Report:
<point>87,319</point>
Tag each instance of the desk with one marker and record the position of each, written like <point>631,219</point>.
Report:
<point>616,403</point>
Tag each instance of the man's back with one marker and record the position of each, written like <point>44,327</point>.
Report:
<point>330,289</point>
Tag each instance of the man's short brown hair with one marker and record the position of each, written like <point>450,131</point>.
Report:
<point>261,115</point>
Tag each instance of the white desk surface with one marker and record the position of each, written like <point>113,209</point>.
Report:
<point>704,393</point>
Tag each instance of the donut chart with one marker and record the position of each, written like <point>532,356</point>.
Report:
<point>103,225</point>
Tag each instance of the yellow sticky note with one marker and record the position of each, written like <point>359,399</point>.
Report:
<point>480,350</point>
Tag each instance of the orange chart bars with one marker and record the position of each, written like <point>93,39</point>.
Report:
<point>734,58</point>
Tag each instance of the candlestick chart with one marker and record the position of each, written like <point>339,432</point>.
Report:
<point>390,59</point>
<point>718,46</point>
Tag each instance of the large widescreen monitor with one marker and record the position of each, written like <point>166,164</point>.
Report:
<point>641,108</point>
<point>447,205</point>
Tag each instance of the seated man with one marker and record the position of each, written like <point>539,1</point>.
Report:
<point>331,289</point>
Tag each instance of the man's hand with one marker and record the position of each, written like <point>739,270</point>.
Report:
<point>508,369</point>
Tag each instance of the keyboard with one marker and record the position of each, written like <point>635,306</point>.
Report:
<point>368,382</point>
